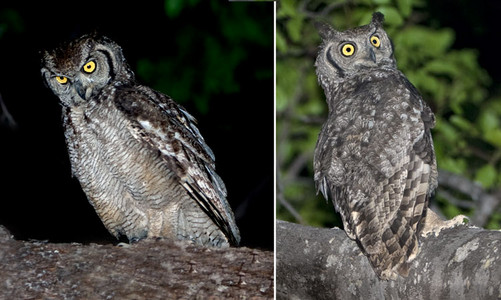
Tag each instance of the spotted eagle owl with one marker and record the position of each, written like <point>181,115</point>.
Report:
<point>374,156</point>
<point>138,155</point>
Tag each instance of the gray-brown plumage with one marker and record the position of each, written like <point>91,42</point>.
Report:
<point>374,156</point>
<point>138,155</point>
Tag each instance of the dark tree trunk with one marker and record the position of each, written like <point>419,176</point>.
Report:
<point>150,269</point>
<point>320,263</point>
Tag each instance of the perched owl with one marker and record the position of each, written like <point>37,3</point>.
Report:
<point>374,156</point>
<point>138,155</point>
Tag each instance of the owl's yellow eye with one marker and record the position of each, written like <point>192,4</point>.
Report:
<point>348,49</point>
<point>89,67</point>
<point>375,41</point>
<point>62,79</point>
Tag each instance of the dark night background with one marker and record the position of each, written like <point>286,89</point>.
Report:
<point>213,57</point>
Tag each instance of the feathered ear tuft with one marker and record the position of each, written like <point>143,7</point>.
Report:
<point>325,30</point>
<point>377,18</point>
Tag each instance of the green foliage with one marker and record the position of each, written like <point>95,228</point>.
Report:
<point>467,135</point>
<point>207,53</point>
<point>10,21</point>
<point>174,7</point>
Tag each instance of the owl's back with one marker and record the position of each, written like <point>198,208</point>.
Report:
<point>374,158</point>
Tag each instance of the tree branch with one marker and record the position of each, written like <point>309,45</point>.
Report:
<point>150,269</point>
<point>319,263</point>
<point>485,203</point>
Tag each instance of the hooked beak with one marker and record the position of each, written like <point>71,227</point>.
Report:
<point>372,55</point>
<point>81,90</point>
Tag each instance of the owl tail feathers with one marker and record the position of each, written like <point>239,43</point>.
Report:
<point>392,274</point>
<point>395,254</point>
<point>388,266</point>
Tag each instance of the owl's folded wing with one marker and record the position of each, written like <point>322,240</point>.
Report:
<point>168,127</point>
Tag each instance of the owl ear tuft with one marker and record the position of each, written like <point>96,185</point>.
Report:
<point>325,30</point>
<point>377,19</point>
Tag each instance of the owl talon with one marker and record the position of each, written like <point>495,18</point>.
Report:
<point>123,245</point>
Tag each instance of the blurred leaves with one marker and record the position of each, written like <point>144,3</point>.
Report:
<point>467,135</point>
<point>213,49</point>
<point>10,21</point>
<point>174,7</point>
<point>486,175</point>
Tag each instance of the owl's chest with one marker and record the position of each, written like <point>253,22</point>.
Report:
<point>103,150</point>
<point>99,136</point>
<point>101,123</point>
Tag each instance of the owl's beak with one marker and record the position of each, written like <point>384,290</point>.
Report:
<point>372,55</point>
<point>81,90</point>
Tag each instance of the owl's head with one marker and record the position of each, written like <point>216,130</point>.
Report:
<point>79,70</point>
<point>347,53</point>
